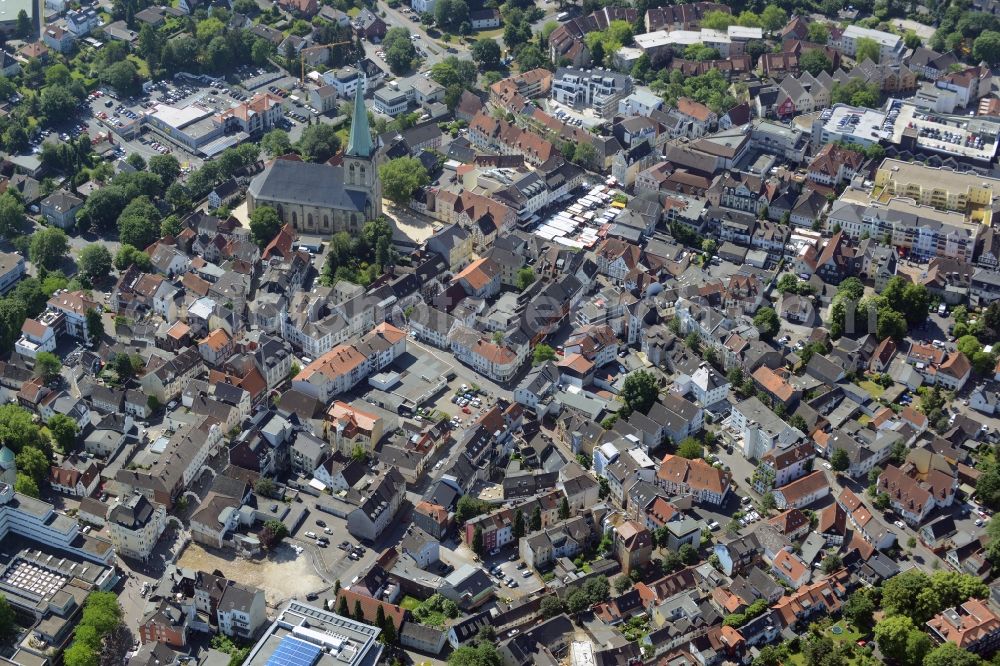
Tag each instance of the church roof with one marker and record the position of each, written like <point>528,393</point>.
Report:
<point>304,183</point>
<point>360,144</point>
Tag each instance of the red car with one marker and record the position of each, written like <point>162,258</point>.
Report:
<point>466,410</point>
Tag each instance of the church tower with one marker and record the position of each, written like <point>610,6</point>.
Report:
<point>361,158</point>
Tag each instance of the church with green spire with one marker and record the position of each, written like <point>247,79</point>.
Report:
<point>322,198</point>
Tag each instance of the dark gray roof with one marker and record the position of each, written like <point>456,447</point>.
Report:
<point>319,185</point>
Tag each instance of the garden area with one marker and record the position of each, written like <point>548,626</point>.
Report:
<point>845,637</point>
<point>434,612</point>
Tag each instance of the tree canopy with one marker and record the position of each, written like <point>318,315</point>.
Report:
<point>402,177</point>
<point>639,391</point>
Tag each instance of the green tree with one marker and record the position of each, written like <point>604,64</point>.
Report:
<point>276,143</point>
<point>543,353</point>
<point>866,49</point>
<point>469,507</point>
<point>477,541</point>
<point>768,503</point>
<point>690,448</point>
<point>564,509</point>
<point>24,29</point>
<point>11,214</point>
<point>518,529</point>
<point>18,430</point>
<point>47,365</point>
<point>264,225</point>
<point>859,609</point>
<point>530,57</point>
<point>272,533</point>
<point>139,223</point>
<point>26,485</point>
<point>819,33</point>
<point>840,461</point>
<point>700,52</point>
<point>265,487</point>
<point>767,322</point>
<point>988,488</point>
<point>815,62</point>
<point>987,47</point>
<point>773,18</point>
<point>95,262</point>
<point>481,654</point>
<point>639,391</point>
<point>949,654</point>
<point>892,634</point>
<point>7,619</point>
<point>166,167</point>
<point>525,278</point>
<point>856,92</point>
<point>129,255</point>
<point>402,177</point>
<point>122,76</point>
<point>551,606</point>
<point>170,226</point>
<point>535,523</point>
<point>688,554</point>
<point>486,53</point>
<point>48,247</point>
<point>399,50</point>
<point>318,143</point>
<point>33,462</point>
<point>95,325</point>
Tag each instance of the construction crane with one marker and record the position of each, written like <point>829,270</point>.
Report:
<point>302,59</point>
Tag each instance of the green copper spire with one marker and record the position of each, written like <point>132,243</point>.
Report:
<point>360,144</point>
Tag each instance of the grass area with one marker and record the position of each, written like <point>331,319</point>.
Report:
<point>850,635</point>
<point>140,65</point>
<point>409,603</point>
<point>487,34</point>
<point>353,11</point>
<point>874,389</point>
<point>864,419</point>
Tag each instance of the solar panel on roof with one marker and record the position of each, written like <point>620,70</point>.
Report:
<point>294,652</point>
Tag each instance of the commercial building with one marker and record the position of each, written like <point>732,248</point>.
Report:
<point>920,230</point>
<point>849,124</point>
<point>939,187</point>
<point>38,521</point>
<point>304,635</point>
<point>205,131</point>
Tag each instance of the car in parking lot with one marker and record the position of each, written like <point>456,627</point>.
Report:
<point>320,523</point>
<point>344,545</point>
<point>526,574</point>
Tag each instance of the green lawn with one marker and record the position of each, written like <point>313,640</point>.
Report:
<point>487,34</point>
<point>850,635</point>
<point>874,389</point>
<point>409,603</point>
<point>140,65</point>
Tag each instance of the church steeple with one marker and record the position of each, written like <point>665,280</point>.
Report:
<point>360,143</point>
